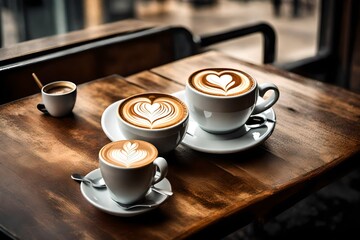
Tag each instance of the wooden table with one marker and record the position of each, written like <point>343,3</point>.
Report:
<point>315,141</point>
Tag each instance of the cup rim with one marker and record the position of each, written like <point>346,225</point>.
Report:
<point>127,168</point>
<point>148,129</point>
<point>59,83</point>
<point>216,96</point>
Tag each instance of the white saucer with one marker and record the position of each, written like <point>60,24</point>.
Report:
<point>237,141</point>
<point>109,122</point>
<point>198,139</point>
<point>100,198</point>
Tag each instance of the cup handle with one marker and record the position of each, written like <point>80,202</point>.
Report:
<point>162,169</point>
<point>41,108</point>
<point>269,102</point>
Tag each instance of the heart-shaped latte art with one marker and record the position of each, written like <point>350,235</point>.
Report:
<point>224,81</point>
<point>152,108</point>
<point>153,112</point>
<point>129,154</point>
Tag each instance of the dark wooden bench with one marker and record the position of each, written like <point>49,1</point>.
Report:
<point>125,54</point>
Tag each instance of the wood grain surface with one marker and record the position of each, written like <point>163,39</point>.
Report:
<point>315,141</point>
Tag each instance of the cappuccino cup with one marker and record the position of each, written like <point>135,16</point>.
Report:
<point>130,168</point>
<point>158,118</point>
<point>221,100</point>
<point>58,98</point>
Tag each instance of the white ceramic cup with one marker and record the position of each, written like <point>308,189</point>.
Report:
<point>223,114</point>
<point>128,184</point>
<point>165,139</point>
<point>58,98</point>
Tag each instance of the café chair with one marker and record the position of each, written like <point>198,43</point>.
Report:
<point>124,55</point>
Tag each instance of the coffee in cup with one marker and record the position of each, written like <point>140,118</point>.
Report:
<point>59,90</point>
<point>58,98</point>
<point>221,100</point>
<point>129,169</point>
<point>221,82</point>
<point>158,118</point>
<point>129,154</point>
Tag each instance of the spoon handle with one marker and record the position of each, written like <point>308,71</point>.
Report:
<point>125,207</point>
<point>145,204</point>
<point>161,191</point>
<point>79,178</point>
<point>98,183</point>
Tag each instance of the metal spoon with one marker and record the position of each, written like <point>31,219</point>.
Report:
<point>96,183</point>
<point>257,121</point>
<point>100,183</point>
<point>148,203</point>
<point>161,191</point>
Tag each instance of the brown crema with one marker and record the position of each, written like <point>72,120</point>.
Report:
<point>221,82</point>
<point>129,153</point>
<point>59,90</point>
<point>153,110</point>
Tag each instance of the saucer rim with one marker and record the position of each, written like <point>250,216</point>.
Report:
<point>265,136</point>
<point>119,211</point>
<point>103,119</point>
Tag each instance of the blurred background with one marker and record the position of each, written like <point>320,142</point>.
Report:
<point>315,38</point>
<point>296,22</point>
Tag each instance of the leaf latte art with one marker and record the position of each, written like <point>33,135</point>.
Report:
<point>220,82</point>
<point>129,153</point>
<point>153,111</point>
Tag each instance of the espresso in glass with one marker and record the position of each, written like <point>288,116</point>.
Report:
<point>129,154</point>
<point>153,111</point>
<point>222,82</point>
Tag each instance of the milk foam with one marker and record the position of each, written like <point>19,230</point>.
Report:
<point>129,154</point>
<point>132,153</point>
<point>153,111</point>
<point>222,82</point>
